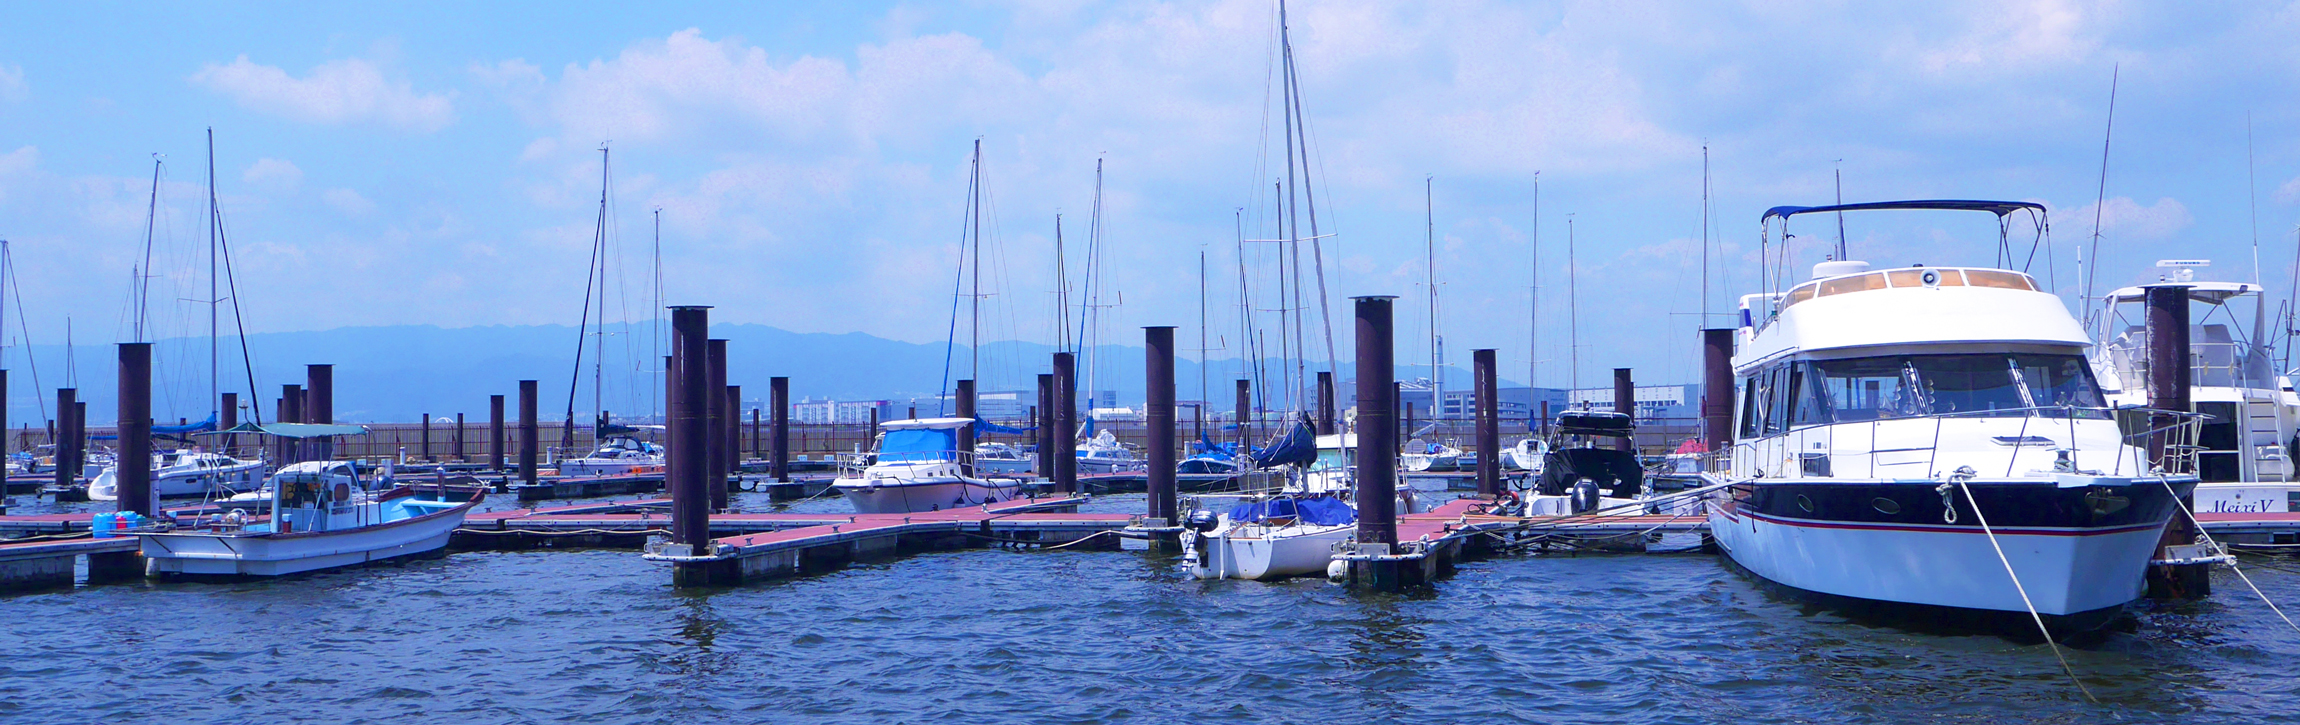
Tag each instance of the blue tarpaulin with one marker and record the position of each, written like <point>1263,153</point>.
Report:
<point>1322,511</point>
<point>931,444</point>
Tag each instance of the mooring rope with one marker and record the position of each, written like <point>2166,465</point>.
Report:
<point>2024,600</point>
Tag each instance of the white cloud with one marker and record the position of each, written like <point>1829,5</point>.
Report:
<point>23,159</point>
<point>12,86</point>
<point>2289,193</point>
<point>348,202</point>
<point>350,90</point>
<point>273,173</point>
<point>2123,217</point>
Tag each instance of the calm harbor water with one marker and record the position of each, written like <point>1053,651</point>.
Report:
<point>995,636</point>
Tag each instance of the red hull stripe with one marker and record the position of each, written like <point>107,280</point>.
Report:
<point>1952,528</point>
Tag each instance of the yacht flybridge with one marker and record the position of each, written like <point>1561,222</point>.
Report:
<point>1933,439</point>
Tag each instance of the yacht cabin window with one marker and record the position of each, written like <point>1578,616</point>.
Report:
<point>1857,390</point>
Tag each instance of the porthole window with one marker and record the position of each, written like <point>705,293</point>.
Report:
<point>1885,505</point>
<point>1804,503</point>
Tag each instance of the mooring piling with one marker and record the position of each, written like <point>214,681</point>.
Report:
<point>1066,423</point>
<point>495,440</point>
<point>1158,413</point>
<point>65,471</point>
<point>319,407</point>
<point>1325,402</point>
<point>779,388</point>
<point>530,440</point>
<point>1488,423</point>
<point>964,405</point>
<point>2170,378</point>
<point>689,432</point>
<point>1042,439</point>
<point>714,422</point>
<point>133,472</point>
<point>1717,389</point>
<point>733,456</point>
<point>1377,472</point>
<point>1625,403</point>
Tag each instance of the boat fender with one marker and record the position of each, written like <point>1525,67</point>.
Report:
<point>237,518</point>
<point>1337,570</point>
<point>1406,495</point>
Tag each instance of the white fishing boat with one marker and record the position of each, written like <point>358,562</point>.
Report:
<point>1930,441</point>
<point>916,466</point>
<point>1423,455</point>
<point>189,472</point>
<point>620,455</point>
<point>2247,440</point>
<point>1002,459</point>
<point>1527,455</point>
<point>1104,454</point>
<point>318,517</point>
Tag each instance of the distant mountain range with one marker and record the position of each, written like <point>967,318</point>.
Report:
<point>400,373</point>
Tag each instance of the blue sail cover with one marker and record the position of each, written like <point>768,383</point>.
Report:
<point>1299,446</point>
<point>199,427</point>
<point>989,427</point>
<point>1205,446</point>
<point>1321,510</point>
<point>931,444</point>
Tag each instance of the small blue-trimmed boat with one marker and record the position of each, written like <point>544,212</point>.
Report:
<point>319,515</point>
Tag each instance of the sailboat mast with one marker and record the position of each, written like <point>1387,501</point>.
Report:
<point>1250,350</point>
<point>599,341</point>
<point>1429,242</point>
<point>655,353</point>
<point>1301,136</point>
<point>974,271</point>
<point>215,223</point>
<point>1202,349</point>
<point>1572,312</point>
<point>1533,325</point>
<point>143,275</point>
<point>1705,236</point>
<point>1061,292</point>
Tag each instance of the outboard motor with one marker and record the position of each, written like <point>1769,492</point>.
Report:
<point>1585,496</point>
<point>1202,521</point>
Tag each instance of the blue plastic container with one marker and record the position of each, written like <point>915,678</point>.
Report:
<point>104,524</point>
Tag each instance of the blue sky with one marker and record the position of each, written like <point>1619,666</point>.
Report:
<point>424,163</point>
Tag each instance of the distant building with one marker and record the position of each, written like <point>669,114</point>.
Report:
<point>840,411</point>
<point>1654,402</point>
<point>993,405</point>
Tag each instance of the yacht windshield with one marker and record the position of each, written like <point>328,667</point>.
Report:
<point>1984,385</point>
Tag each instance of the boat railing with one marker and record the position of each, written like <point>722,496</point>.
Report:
<point>2155,441</point>
<point>852,465</point>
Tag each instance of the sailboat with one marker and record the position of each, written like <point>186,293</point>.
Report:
<point>1293,532</point>
<point>1931,441</point>
<point>617,450</point>
<point>189,471</point>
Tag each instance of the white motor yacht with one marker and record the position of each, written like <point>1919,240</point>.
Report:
<point>616,456</point>
<point>2247,438</point>
<point>917,466</point>
<point>189,472</point>
<point>1884,415</point>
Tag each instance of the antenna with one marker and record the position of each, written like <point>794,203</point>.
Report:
<point>2099,200</point>
<point>1841,256</point>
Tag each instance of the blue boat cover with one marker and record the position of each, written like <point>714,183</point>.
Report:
<point>199,427</point>
<point>926,444</point>
<point>989,427</point>
<point>1206,447</point>
<point>1299,446</point>
<point>1320,510</point>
